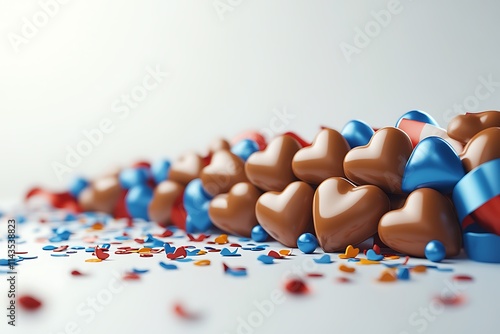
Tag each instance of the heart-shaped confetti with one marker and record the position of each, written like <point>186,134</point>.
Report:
<point>346,269</point>
<point>101,254</point>
<point>227,252</point>
<point>387,276</point>
<point>372,256</point>
<point>350,252</point>
<point>221,239</point>
<point>266,259</point>
<point>179,252</point>
<point>168,266</point>
<point>325,259</point>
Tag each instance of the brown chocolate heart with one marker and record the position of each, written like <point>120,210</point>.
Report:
<point>345,214</point>
<point>101,195</point>
<point>381,162</point>
<point>483,147</point>
<point>464,127</point>
<point>271,169</point>
<point>224,171</point>
<point>164,197</point>
<point>234,212</point>
<point>323,159</point>
<point>218,144</point>
<point>186,168</point>
<point>286,215</point>
<point>427,215</point>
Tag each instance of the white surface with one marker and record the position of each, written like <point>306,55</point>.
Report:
<point>363,306</point>
<point>226,75</point>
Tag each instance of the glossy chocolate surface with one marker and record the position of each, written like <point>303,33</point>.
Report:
<point>101,195</point>
<point>464,127</point>
<point>164,197</point>
<point>483,147</point>
<point>224,171</point>
<point>186,168</point>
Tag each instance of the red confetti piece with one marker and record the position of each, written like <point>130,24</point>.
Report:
<point>61,248</point>
<point>165,234</point>
<point>179,252</point>
<point>76,273</point>
<point>234,245</point>
<point>214,250</point>
<point>124,247</point>
<point>314,275</point>
<point>455,300</point>
<point>101,254</point>
<point>181,312</point>
<point>463,278</point>
<point>376,249</point>
<point>296,287</point>
<point>139,241</point>
<point>29,303</point>
<point>131,276</point>
<point>20,252</point>
<point>200,238</point>
<point>343,280</point>
<point>407,258</point>
<point>146,255</point>
<point>226,268</point>
<point>122,252</point>
<point>156,251</point>
<point>274,254</point>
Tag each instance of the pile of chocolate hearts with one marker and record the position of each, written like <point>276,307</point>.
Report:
<point>405,186</point>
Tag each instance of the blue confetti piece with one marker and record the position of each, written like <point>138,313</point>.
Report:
<point>184,260</point>
<point>106,246</point>
<point>244,239</point>
<point>325,259</point>
<point>192,253</point>
<point>149,238</point>
<point>77,247</point>
<point>56,239</point>
<point>392,265</point>
<point>236,273</point>
<point>90,249</point>
<point>168,266</point>
<point>210,248</point>
<point>443,269</point>
<point>403,274</point>
<point>266,259</point>
<point>59,254</point>
<point>71,252</point>
<point>49,247</point>
<point>28,257</point>
<point>168,249</point>
<point>227,252</point>
<point>140,271</point>
<point>372,256</point>
<point>122,237</point>
<point>353,260</point>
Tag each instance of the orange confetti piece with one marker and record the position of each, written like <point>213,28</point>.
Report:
<point>387,276</point>
<point>201,252</point>
<point>93,260</point>
<point>365,261</point>
<point>350,253</point>
<point>285,252</point>
<point>419,269</point>
<point>202,263</point>
<point>97,226</point>
<point>145,250</point>
<point>346,269</point>
<point>221,239</point>
<point>391,257</point>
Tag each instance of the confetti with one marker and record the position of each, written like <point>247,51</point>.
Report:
<point>221,239</point>
<point>266,259</point>
<point>285,252</point>
<point>29,303</point>
<point>200,238</point>
<point>346,269</point>
<point>342,280</point>
<point>93,260</point>
<point>76,273</point>
<point>240,271</point>
<point>373,256</point>
<point>140,271</point>
<point>403,274</point>
<point>325,259</point>
<point>454,300</point>
<point>131,277</point>
<point>227,252</point>
<point>275,255</point>
<point>179,252</point>
<point>367,262</point>
<point>168,248</point>
<point>350,252</point>
<point>419,269</point>
<point>181,312</point>
<point>296,287</point>
<point>387,276</point>
<point>59,255</point>
<point>314,275</point>
<point>202,263</point>
<point>168,266</point>
<point>463,278</point>
<point>101,254</point>
<point>49,247</point>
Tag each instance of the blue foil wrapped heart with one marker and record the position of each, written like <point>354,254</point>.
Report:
<point>432,164</point>
<point>357,133</point>
<point>418,115</point>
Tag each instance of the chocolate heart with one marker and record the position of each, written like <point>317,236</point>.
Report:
<point>218,144</point>
<point>464,127</point>
<point>381,162</point>
<point>345,214</point>
<point>224,171</point>
<point>427,215</point>
<point>271,169</point>
<point>186,168</point>
<point>165,195</point>
<point>234,212</point>
<point>323,159</point>
<point>101,195</point>
<point>286,215</point>
<point>481,148</point>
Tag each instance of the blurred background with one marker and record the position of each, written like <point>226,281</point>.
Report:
<point>89,85</point>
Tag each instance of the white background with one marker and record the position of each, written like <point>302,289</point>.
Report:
<point>226,75</point>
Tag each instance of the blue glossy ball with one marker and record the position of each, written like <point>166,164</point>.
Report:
<point>160,170</point>
<point>196,199</point>
<point>131,177</point>
<point>137,201</point>
<point>198,223</point>
<point>357,133</point>
<point>259,234</point>
<point>77,185</point>
<point>307,243</point>
<point>245,148</point>
<point>435,251</point>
